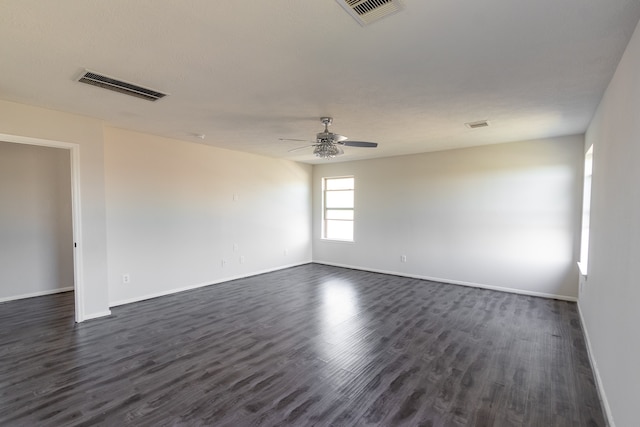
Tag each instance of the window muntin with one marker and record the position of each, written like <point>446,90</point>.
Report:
<point>338,195</point>
<point>338,214</point>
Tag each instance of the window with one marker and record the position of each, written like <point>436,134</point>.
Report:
<point>586,211</point>
<point>337,208</point>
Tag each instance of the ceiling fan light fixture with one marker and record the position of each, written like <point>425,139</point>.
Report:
<point>327,151</point>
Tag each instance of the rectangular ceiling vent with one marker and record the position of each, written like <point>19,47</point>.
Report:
<point>106,82</point>
<point>368,11</point>
<point>476,125</point>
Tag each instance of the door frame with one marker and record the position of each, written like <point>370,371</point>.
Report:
<point>74,149</point>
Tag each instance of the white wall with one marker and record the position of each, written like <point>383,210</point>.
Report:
<point>609,301</point>
<point>271,215</point>
<point>38,123</point>
<point>36,239</point>
<point>502,216</point>
<point>172,217</point>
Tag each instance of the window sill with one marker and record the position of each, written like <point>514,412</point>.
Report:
<point>336,240</point>
<point>582,268</point>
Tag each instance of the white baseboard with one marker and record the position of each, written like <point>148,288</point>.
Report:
<point>594,367</point>
<point>457,282</point>
<point>96,315</point>
<point>201,285</point>
<point>37,294</point>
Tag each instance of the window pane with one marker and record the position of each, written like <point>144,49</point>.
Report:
<point>341,230</point>
<point>586,209</point>
<point>338,208</point>
<point>339,214</point>
<point>339,199</point>
<point>338,183</point>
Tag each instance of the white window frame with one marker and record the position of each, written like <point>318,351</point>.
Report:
<point>586,212</point>
<point>325,208</point>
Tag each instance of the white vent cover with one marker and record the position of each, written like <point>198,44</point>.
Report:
<point>476,125</point>
<point>106,82</point>
<point>368,11</point>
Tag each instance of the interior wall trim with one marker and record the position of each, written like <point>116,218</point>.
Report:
<point>97,315</point>
<point>604,402</point>
<point>456,282</point>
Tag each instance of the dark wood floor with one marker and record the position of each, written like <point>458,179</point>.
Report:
<point>310,346</point>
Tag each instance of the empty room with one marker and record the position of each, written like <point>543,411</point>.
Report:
<point>328,213</point>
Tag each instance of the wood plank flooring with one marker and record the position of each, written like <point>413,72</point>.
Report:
<point>308,346</point>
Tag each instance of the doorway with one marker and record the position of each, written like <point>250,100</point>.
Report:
<point>73,152</point>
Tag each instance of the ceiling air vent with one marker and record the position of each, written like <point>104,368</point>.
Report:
<point>476,125</point>
<point>368,11</point>
<point>106,82</point>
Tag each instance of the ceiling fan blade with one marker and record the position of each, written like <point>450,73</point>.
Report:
<point>300,148</point>
<point>358,144</point>
<point>298,140</point>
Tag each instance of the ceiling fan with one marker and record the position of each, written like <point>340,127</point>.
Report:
<point>329,144</point>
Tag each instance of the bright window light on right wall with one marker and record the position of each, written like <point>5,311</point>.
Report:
<point>586,212</point>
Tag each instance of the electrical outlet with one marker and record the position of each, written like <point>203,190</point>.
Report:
<point>235,247</point>
<point>126,278</point>
<point>403,258</point>
<point>286,252</point>
<point>241,259</point>
<point>224,262</point>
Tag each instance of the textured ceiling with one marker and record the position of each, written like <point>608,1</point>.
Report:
<point>247,73</point>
